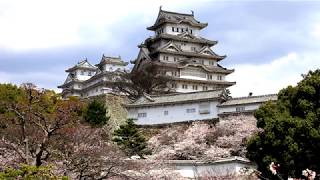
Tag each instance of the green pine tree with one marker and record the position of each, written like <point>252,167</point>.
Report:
<point>130,139</point>
<point>96,114</point>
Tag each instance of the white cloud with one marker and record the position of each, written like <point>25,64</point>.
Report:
<point>316,31</point>
<point>272,77</point>
<point>35,24</point>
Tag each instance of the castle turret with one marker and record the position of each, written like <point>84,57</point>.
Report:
<point>85,80</point>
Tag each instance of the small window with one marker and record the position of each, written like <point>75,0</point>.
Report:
<point>181,29</point>
<point>174,85</point>
<point>177,29</point>
<point>191,31</point>
<point>210,76</point>
<point>172,29</point>
<point>175,59</point>
<point>193,48</point>
<point>195,87</point>
<point>165,113</point>
<point>205,88</point>
<point>240,109</point>
<point>219,77</point>
<point>89,73</point>
<point>201,61</point>
<point>211,63</point>
<point>191,110</point>
<point>184,86</point>
<point>174,73</point>
<point>142,115</point>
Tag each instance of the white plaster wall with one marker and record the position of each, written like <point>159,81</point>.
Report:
<point>221,169</point>
<point>170,58</point>
<point>248,107</point>
<point>193,77</point>
<point>168,29</point>
<point>190,89</point>
<point>176,113</point>
<point>85,75</point>
<point>112,67</point>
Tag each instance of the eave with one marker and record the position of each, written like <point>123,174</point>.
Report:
<point>207,69</point>
<point>158,24</point>
<point>227,83</point>
<point>77,67</point>
<point>190,54</point>
<point>177,38</point>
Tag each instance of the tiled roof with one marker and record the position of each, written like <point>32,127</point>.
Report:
<point>174,17</point>
<point>249,100</point>
<point>111,60</point>
<point>148,100</point>
<point>189,54</point>
<point>84,64</point>
<point>187,62</point>
<point>182,37</point>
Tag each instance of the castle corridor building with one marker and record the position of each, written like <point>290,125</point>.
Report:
<point>180,52</point>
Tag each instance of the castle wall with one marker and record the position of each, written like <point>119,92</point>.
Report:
<point>175,113</point>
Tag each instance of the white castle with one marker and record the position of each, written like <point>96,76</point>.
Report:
<point>179,51</point>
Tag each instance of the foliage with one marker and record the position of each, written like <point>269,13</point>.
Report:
<point>96,113</point>
<point>291,130</point>
<point>27,172</point>
<point>31,119</point>
<point>148,80</point>
<point>130,139</point>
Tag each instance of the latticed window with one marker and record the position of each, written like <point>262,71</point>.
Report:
<point>184,86</point>
<point>191,110</point>
<point>142,115</point>
<point>195,87</point>
<point>204,108</point>
<point>205,88</point>
<point>240,109</point>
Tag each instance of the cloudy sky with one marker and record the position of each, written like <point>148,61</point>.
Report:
<point>268,43</point>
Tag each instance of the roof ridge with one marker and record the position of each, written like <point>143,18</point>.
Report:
<point>177,13</point>
<point>247,97</point>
